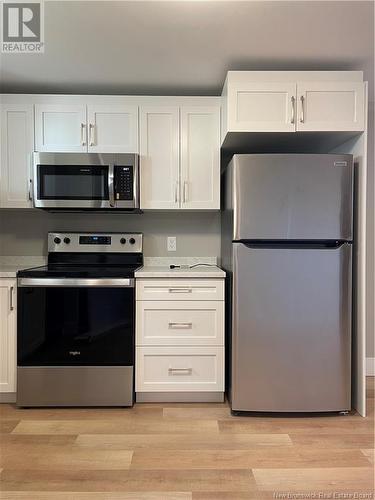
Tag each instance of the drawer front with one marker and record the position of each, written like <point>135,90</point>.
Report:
<point>180,289</point>
<point>163,369</point>
<point>180,323</point>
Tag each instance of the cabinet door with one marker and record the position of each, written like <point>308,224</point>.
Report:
<point>60,128</point>
<point>330,106</point>
<point>262,107</point>
<point>159,150</point>
<point>112,129</point>
<point>8,330</point>
<point>200,157</point>
<point>16,150</point>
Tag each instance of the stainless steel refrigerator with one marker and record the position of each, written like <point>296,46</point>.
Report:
<point>287,232</point>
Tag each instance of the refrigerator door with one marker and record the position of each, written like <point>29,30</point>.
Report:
<point>291,329</point>
<point>297,196</point>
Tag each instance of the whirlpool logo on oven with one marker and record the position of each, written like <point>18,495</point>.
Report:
<point>22,27</point>
<point>74,353</point>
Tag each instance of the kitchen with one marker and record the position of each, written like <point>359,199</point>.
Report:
<point>159,200</point>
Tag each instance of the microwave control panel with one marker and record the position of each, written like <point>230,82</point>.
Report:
<point>124,183</point>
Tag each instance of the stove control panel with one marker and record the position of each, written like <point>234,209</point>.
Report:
<point>95,242</point>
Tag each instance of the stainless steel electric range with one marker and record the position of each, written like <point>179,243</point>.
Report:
<point>76,316</point>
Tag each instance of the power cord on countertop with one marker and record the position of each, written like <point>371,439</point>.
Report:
<point>173,266</point>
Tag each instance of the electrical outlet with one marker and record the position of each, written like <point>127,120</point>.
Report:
<point>171,243</point>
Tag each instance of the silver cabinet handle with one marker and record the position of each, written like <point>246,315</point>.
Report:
<point>302,118</point>
<point>175,192</point>
<point>180,290</point>
<point>11,290</point>
<point>83,134</point>
<point>111,187</point>
<point>185,191</point>
<point>180,325</point>
<point>293,102</point>
<point>30,194</point>
<point>91,134</point>
<point>186,371</point>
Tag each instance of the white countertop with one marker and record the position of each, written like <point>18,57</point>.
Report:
<point>9,266</point>
<point>166,272</point>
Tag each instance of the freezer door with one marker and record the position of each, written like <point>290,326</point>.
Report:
<point>298,196</point>
<point>291,329</point>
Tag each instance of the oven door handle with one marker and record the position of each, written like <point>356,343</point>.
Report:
<point>76,282</point>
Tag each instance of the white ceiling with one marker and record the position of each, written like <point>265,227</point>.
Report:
<point>187,47</point>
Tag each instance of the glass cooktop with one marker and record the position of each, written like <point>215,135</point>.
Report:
<point>74,271</point>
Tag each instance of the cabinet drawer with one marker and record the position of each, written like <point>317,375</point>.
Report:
<point>179,369</point>
<point>180,289</point>
<point>180,323</point>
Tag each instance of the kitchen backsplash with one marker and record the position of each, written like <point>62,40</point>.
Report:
<point>24,232</point>
<point>181,261</point>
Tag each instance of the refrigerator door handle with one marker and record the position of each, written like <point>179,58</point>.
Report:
<point>294,244</point>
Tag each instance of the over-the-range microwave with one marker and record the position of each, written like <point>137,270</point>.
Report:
<point>86,181</point>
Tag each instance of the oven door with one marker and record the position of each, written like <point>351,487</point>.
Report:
<point>75,322</point>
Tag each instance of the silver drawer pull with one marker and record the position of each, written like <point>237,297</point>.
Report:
<point>182,371</point>
<point>180,325</point>
<point>180,290</point>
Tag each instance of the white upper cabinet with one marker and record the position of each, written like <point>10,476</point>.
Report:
<point>293,101</point>
<point>96,128</point>
<point>180,157</point>
<point>200,157</point>
<point>330,106</point>
<point>8,335</point>
<point>112,128</point>
<point>262,107</point>
<point>60,128</point>
<point>17,145</point>
<point>159,157</point>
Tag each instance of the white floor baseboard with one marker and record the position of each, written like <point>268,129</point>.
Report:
<point>370,367</point>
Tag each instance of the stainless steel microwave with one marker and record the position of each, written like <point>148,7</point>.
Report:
<point>86,181</point>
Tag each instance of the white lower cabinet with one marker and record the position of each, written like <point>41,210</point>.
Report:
<point>180,369</point>
<point>179,339</point>
<point>8,336</point>
<point>180,323</point>
<point>180,289</point>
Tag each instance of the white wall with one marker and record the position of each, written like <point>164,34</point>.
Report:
<point>23,232</point>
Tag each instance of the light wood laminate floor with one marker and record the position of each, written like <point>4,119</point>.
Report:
<point>183,452</point>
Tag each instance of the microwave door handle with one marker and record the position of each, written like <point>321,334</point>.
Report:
<point>111,186</point>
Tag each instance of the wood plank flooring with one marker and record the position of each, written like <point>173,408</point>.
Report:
<point>183,452</point>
